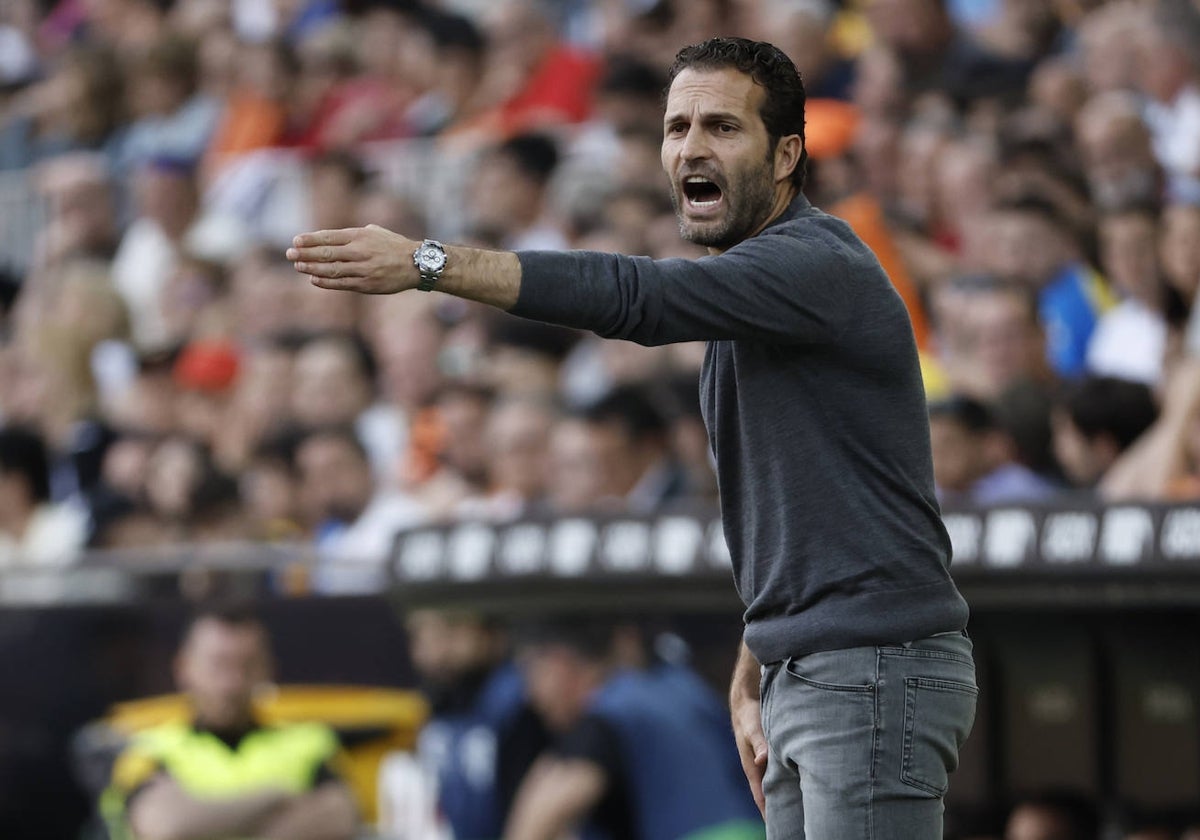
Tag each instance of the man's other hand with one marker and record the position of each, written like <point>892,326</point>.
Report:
<point>751,744</point>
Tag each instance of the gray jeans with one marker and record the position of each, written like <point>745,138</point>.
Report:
<point>862,741</point>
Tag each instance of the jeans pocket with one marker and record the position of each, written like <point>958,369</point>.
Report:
<point>851,670</point>
<point>938,715</point>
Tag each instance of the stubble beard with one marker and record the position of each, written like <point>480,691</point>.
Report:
<point>747,207</point>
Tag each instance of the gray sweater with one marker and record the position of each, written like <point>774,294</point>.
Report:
<point>815,409</point>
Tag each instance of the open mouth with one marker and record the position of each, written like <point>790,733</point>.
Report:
<point>700,192</point>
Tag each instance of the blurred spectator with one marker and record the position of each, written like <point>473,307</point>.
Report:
<point>614,455</point>
<point>81,213</point>
<point>534,79</point>
<point>1169,75</point>
<point>582,465</point>
<point>347,518</point>
<point>974,459</point>
<point>165,202</point>
<point>457,425</point>
<point>337,181</point>
<point>1097,420</point>
<point>517,442</point>
<point>172,119</point>
<point>523,358</point>
<point>33,530</point>
<point>508,198</point>
<point>256,113</point>
<point>269,492</point>
<point>452,100</point>
<point>1117,151</point>
<point>1034,245</point>
<point>991,336</point>
<point>222,772</point>
<point>1179,248</point>
<point>205,373</point>
<point>482,735</point>
<point>624,737</point>
<point>332,384</point>
<point>1053,816</point>
<point>802,30</point>
<point>650,477</point>
<point>77,107</point>
<point>1130,341</point>
<point>938,57</point>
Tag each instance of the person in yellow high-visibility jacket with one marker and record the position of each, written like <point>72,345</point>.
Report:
<point>222,774</point>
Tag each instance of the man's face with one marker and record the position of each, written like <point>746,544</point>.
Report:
<point>555,682</point>
<point>956,461</point>
<point>335,481</point>
<point>444,647</point>
<point>330,388</point>
<point>718,156</point>
<point>1074,452</point>
<point>219,667</point>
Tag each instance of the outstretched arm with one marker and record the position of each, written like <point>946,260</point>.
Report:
<point>747,722</point>
<point>783,289</point>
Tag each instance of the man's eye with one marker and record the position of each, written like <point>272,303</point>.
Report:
<point>726,128</point>
<point>675,129</point>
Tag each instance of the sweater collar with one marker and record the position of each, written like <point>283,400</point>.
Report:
<point>799,206</point>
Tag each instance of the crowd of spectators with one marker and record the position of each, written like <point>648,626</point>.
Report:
<point>1027,172</point>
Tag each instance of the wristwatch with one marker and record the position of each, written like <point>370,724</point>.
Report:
<point>430,260</point>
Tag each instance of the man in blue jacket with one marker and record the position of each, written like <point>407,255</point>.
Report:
<point>639,754</point>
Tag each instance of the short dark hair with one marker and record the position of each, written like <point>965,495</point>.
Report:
<point>973,415</point>
<point>589,637</point>
<point>1106,405</point>
<point>782,111</point>
<point>535,155</point>
<point>23,453</point>
<point>229,612</point>
<point>632,408</point>
<point>339,433</point>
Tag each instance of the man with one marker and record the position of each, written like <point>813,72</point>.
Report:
<point>813,400</point>
<point>482,735</point>
<point>1097,420</point>
<point>640,752</point>
<point>975,458</point>
<point>34,531</point>
<point>349,519</point>
<point>223,774</point>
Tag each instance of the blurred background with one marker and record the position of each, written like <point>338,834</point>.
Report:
<point>183,418</point>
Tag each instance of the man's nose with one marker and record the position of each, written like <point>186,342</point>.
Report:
<point>695,144</point>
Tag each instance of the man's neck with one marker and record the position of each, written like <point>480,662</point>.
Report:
<point>785,194</point>
<point>15,519</point>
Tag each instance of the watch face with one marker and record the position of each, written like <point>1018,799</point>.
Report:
<point>431,258</point>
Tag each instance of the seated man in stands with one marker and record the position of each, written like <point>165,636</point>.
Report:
<point>223,774</point>
<point>639,753</point>
<point>974,458</point>
<point>1097,420</point>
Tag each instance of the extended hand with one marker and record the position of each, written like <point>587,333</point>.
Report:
<point>371,260</point>
<point>751,744</point>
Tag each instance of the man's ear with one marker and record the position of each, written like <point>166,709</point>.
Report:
<point>787,156</point>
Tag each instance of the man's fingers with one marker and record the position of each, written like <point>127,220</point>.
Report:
<point>332,270</point>
<point>325,237</point>
<point>754,771</point>
<point>340,284</point>
<point>324,253</point>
